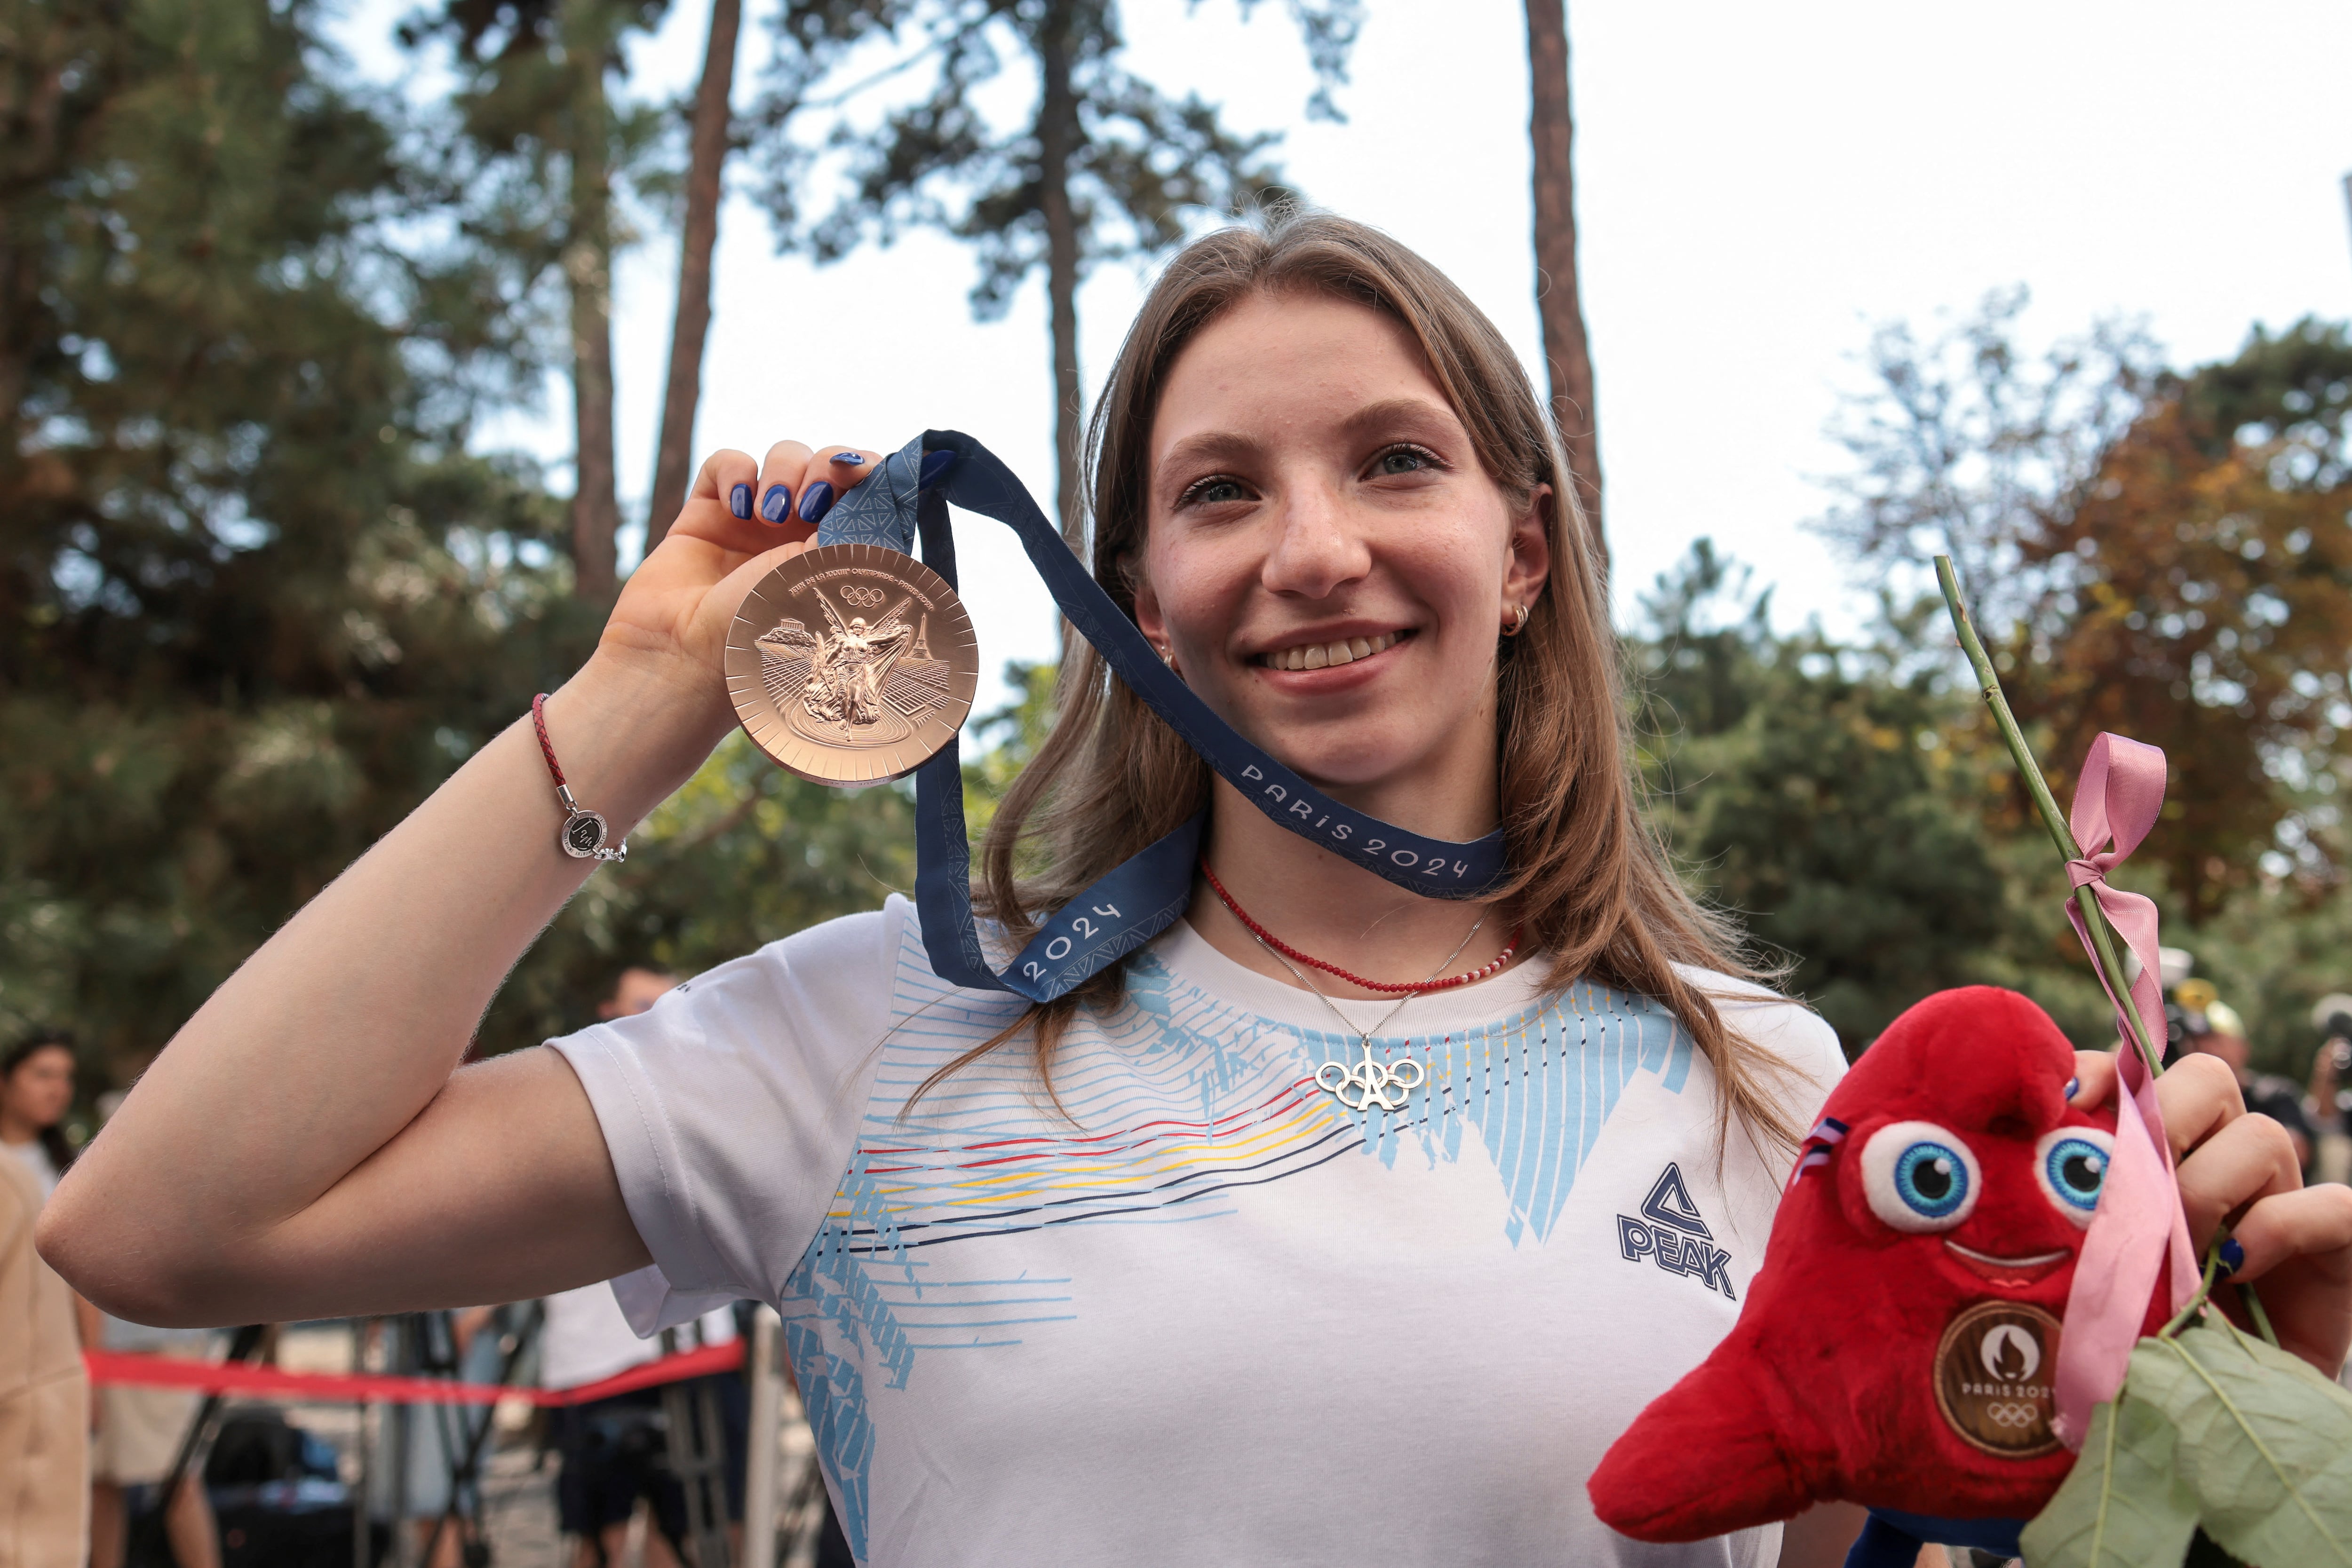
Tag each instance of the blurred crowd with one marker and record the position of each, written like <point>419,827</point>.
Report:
<point>119,1476</point>
<point>2316,1109</point>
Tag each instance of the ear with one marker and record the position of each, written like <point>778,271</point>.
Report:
<point>1150,618</point>
<point>1529,567</point>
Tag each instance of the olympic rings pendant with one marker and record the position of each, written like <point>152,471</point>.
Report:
<point>1369,1082</point>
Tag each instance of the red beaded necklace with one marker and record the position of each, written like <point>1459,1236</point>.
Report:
<point>1278,944</point>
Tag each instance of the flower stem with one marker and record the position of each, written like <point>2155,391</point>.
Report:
<point>2254,1311</point>
<point>2204,1288</point>
<point>2094,919</point>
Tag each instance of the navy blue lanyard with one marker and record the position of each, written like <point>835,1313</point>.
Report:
<point>1143,897</point>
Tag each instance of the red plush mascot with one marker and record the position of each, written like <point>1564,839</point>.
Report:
<point>1898,1347</point>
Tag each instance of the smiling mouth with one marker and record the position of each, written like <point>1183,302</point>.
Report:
<point>2008,1271</point>
<point>1324,655</point>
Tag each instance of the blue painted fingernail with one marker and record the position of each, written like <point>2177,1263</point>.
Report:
<point>2074,1087</point>
<point>816,501</point>
<point>738,501</point>
<point>777,504</point>
<point>851,458</point>
<point>935,468</point>
<point>2233,1257</point>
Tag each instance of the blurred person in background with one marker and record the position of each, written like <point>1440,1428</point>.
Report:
<point>36,1090</point>
<point>44,1392</point>
<point>2212,1025</point>
<point>612,1450</point>
<point>136,1434</point>
<point>637,989</point>
<point>426,1442</point>
<point>2331,1102</point>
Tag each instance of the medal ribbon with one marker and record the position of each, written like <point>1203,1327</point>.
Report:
<point>1142,896</point>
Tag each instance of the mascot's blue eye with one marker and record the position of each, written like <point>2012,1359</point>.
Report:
<point>2070,1163</point>
<point>1931,1178</point>
<point>1920,1176</point>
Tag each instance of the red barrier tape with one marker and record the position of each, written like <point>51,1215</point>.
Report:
<point>117,1366</point>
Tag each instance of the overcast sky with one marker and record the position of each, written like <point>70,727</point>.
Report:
<point>1757,186</point>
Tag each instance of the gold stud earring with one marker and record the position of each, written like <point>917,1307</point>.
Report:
<point>1518,624</point>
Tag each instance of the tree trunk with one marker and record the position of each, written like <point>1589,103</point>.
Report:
<point>1558,299</point>
<point>674,457</point>
<point>588,270</point>
<point>1057,139</point>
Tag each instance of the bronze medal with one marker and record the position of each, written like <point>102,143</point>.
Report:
<point>1993,1376</point>
<point>851,664</point>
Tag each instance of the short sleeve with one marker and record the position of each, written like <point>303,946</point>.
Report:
<point>731,1107</point>
<point>1794,1035</point>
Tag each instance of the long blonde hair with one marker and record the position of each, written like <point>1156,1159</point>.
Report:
<point>1590,883</point>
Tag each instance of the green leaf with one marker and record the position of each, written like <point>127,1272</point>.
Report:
<point>2123,1505</point>
<point>2265,1443</point>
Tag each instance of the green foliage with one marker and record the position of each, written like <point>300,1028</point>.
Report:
<point>1836,801</point>
<point>745,854</point>
<point>2219,1429</point>
<point>1137,160</point>
<point>2163,555</point>
<point>2123,1505</point>
<point>2265,1443</point>
<point>256,598</point>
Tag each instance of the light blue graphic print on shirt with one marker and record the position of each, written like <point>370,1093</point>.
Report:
<point>1178,1104</point>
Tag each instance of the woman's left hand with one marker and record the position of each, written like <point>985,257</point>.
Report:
<point>2237,1173</point>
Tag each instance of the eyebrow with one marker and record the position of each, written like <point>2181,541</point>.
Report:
<point>1214,446</point>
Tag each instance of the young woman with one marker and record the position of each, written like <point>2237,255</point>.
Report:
<point>1112,1281</point>
<point>37,1089</point>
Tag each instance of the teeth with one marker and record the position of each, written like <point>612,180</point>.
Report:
<point>1323,655</point>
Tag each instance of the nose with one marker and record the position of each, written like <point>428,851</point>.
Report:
<point>1315,550</point>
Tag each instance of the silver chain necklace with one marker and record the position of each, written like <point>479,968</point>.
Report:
<point>1369,1082</point>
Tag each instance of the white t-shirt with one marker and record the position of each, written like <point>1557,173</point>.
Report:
<point>1219,1319</point>
<point>36,1156</point>
<point>584,1338</point>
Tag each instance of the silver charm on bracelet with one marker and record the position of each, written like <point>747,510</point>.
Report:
<point>585,832</point>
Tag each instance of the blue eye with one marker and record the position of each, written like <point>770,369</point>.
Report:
<point>1931,1180</point>
<point>1920,1176</point>
<point>2070,1163</point>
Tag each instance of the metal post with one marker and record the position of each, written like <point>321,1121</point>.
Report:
<point>362,1494</point>
<point>766,1438</point>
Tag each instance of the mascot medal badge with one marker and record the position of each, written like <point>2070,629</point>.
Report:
<point>853,662</point>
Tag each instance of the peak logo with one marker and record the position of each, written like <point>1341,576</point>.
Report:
<point>1672,1235</point>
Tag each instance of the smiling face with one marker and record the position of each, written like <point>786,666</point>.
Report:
<point>1987,1183</point>
<point>1325,559</point>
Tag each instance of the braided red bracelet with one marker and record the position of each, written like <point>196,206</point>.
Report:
<point>585,832</point>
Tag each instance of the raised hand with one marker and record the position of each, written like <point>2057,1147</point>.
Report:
<point>675,609</point>
<point>2236,1172</point>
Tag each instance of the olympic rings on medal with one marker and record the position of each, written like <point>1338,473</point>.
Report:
<point>864,598</point>
<point>1369,1082</point>
<point>2004,1413</point>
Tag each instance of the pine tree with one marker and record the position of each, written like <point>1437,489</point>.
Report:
<point>1105,167</point>
<point>256,597</point>
<point>542,163</point>
<point>1560,294</point>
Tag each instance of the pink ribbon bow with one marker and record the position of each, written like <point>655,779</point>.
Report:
<point>2138,1224</point>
